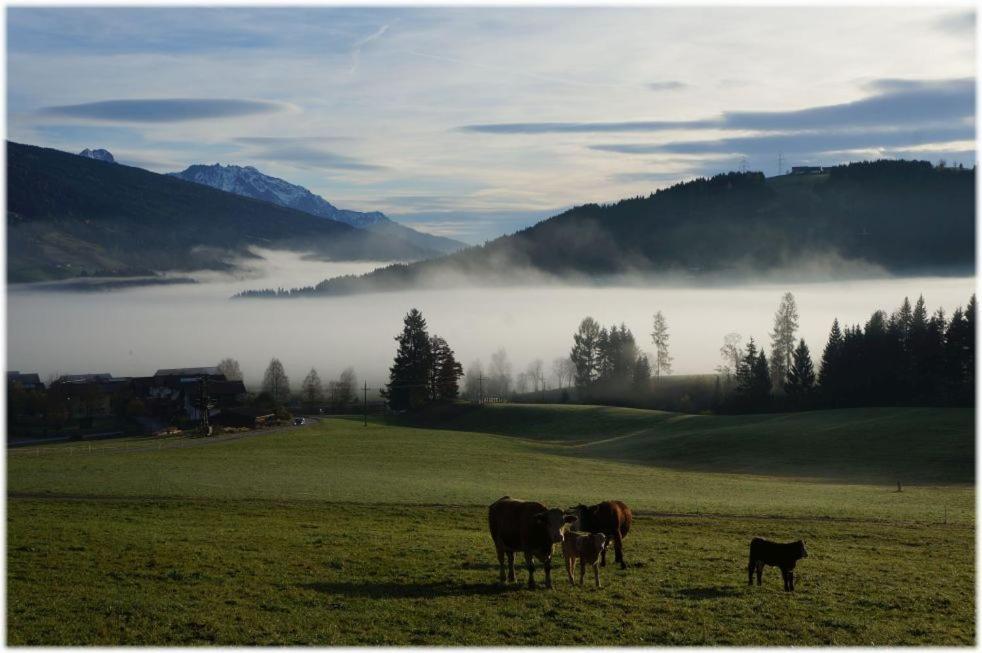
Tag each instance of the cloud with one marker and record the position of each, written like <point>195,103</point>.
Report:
<point>164,110</point>
<point>806,142</point>
<point>588,127</point>
<point>899,102</point>
<point>671,85</point>
<point>361,43</point>
<point>302,153</point>
<point>896,102</point>
<point>960,23</point>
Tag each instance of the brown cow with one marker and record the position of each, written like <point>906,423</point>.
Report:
<point>529,527</point>
<point>585,547</point>
<point>612,518</point>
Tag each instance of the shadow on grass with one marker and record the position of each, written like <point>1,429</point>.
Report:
<point>707,593</point>
<point>394,590</point>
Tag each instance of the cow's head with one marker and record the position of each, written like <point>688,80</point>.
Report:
<point>801,549</point>
<point>581,513</point>
<point>553,520</point>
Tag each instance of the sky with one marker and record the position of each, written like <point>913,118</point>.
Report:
<point>475,122</point>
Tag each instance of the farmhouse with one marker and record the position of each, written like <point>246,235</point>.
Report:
<point>90,395</point>
<point>807,170</point>
<point>172,394</point>
<point>27,381</point>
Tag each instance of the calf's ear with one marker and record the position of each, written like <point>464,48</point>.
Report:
<point>569,519</point>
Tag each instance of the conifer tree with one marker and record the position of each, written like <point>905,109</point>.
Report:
<point>409,376</point>
<point>585,352</point>
<point>801,376</point>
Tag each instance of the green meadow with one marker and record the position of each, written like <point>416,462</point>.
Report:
<point>341,534</point>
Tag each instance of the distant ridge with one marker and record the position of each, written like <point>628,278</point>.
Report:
<point>872,219</point>
<point>71,216</point>
<point>247,181</point>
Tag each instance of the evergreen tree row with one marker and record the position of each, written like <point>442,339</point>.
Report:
<point>906,358</point>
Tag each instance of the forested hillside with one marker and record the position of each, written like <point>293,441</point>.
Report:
<point>883,217</point>
<point>69,215</point>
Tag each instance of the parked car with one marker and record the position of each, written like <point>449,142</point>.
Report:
<point>297,421</point>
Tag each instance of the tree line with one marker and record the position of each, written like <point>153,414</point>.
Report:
<point>905,358</point>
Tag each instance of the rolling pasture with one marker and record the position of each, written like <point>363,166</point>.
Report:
<point>335,533</point>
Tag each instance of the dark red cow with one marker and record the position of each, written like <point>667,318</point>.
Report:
<point>527,527</point>
<point>612,518</point>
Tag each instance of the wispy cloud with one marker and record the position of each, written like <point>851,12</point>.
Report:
<point>672,85</point>
<point>897,102</point>
<point>590,127</point>
<point>163,110</point>
<point>302,153</point>
<point>361,43</point>
<point>821,141</point>
<point>962,22</point>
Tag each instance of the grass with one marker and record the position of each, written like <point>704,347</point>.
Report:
<point>343,534</point>
<point>883,445</point>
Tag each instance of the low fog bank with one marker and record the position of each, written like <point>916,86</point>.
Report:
<point>135,331</point>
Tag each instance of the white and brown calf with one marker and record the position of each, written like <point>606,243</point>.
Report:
<point>585,547</point>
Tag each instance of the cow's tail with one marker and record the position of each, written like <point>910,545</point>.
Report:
<point>626,524</point>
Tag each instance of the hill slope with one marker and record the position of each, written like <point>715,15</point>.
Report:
<point>898,217</point>
<point>252,183</point>
<point>69,215</point>
<point>884,445</point>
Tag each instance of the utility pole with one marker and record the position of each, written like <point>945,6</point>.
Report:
<point>364,405</point>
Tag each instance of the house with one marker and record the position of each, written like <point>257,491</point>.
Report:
<point>807,170</point>
<point>27,381</point>
<point>91,395</point>
<point>174,394</point>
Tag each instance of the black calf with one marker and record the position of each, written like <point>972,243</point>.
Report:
<point>783,556</point>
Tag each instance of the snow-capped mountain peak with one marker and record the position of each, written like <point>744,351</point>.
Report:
<point>246,180</point>
<point>98,155</point>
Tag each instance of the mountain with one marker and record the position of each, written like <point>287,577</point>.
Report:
<point>863,219</point>
<point>250,182</point>
<point>98,155</point>
<point>70,216</point>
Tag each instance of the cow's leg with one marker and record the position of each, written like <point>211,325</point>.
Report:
<point>596,574</point>
<point>791,578</point>
<point>501,562</point>
<point>511,566</point>
<point>750,572</point>
<point>618,550</point>
<point>784,575</point>
<point>548,566</point>
<point>530,565</point>
<point>569,569</point>
<point>582,571</point>
<point>603,554</point>
<point>760,572</point>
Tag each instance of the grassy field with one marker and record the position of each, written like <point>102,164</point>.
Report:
<point>341,534</point>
